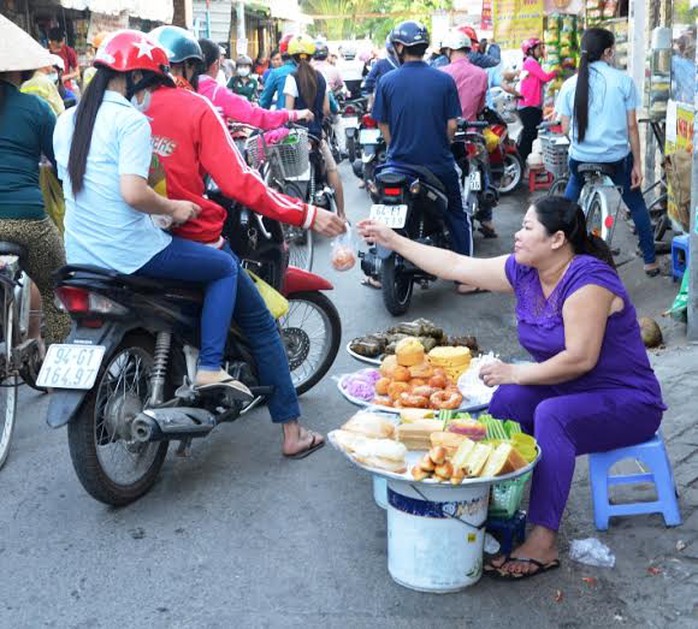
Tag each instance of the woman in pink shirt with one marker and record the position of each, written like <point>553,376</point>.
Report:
<point>234,107</point>
<point>531,89</point>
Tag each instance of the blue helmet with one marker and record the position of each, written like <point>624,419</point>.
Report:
<point>390,49</point>
<point>410,33</point>
<point>179,43</point>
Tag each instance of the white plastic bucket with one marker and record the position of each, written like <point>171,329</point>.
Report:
<point>380,491</point>
<point>436,545</point>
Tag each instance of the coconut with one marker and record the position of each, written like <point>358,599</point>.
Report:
<point>651,332</point>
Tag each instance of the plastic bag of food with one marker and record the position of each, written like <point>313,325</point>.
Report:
<point>275,301</point>
<point>53,196</point>
<point>343,251</point>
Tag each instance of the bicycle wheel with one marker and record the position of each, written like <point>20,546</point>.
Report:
<point>301,246</point>
<point>8,380</point>
<point>599,219</point>
<point>557,189</point>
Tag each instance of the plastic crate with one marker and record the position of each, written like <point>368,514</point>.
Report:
<point>505,497</point>
<point>291,154</point>
<point>555,154</point>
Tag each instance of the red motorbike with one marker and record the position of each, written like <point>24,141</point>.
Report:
<point>506,165</point>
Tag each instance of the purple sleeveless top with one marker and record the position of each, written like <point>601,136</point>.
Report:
<point>623,361</point>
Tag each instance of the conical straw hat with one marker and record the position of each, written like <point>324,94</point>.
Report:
<point>18,50</point>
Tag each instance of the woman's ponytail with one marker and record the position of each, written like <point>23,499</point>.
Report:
<point>307,80</point>
<point>594,42</point>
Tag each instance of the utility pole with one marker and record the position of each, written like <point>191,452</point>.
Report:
<point>692,266</point>
<point>241,44</point>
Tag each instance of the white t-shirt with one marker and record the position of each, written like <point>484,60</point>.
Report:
<point>100,227</point>
<point>291,87</point>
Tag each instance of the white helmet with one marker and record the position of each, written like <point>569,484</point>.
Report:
<point>457,40</point>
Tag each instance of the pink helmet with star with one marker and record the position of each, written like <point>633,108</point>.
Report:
<point>127,50</point>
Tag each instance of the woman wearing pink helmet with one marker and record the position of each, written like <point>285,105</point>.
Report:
<point>531,89</point>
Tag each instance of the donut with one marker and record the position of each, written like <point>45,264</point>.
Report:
<point>388,365</point>
<point>417,382</point>
<point>407,400</point>
<point>401,374</point>
<point>382,385</point>
<point>438,381</point>
<point>382,401</point>
<point>447,400</point>
<point>396,388</point>
<point>423,370</point>
<point>424,390</point>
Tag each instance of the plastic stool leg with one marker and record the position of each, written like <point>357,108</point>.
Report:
<point>666,486</point>
<point>598,481</point>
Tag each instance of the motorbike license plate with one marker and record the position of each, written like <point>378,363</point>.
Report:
<point>394,216</point>
<point>350,121</point>
<point>70,366</point>
<point>474,182</point>
<point>369,136</point>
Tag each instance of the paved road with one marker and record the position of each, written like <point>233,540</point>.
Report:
<point>235,534</point>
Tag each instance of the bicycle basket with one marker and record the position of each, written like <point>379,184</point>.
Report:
<point>555,154</point>
<point>288,158</point>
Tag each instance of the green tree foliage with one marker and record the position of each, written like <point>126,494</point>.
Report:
<point>353,25</point>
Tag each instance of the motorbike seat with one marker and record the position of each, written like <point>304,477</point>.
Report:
<point>138,283</point>
<point>590,169</point>
<point>12,249</point>
<point>406,170</point>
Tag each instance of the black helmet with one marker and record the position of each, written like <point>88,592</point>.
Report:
<point>410,33</point>
<point>321,50</point>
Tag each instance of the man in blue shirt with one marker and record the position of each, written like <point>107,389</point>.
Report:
<point>273,92</point>
<point>417,108</point>
<point>379,68</point>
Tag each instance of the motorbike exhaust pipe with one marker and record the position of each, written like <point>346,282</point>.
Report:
<point>144,429</point>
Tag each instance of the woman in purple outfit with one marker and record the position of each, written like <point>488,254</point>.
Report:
<point>591,388</point>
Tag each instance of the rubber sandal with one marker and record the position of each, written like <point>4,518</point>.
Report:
<point>652,272</point>
<point>487,232</point>
<point>369,282</point>
<point>504,575</point>
<point>489,567</point>
<point>314,445</point>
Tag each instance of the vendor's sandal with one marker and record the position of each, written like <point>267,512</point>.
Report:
<point>489,567</point>
<point>462,289</point>
<point>487,232</point>
<point>371,283</point>
<point>652,272</point>
<point>315,444</point>
<point>505,575</point>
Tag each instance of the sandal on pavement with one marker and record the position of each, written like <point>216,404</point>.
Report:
<point>315,444</point>
<point>489,567</point>
<point>371,283</point>
<point>539,568</point>
<point>652,272</point>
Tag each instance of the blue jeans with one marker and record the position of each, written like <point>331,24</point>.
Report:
<point>264,340</point>
<point>458,219</point>
<point>193,262</point>
<point>632,197</point>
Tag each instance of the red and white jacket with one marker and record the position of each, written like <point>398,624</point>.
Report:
<point>191,140</point>
<point>238,109</point>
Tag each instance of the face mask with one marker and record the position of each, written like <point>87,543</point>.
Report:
<point>53,77</point>
<point>243,71</point>
<point>144,104</point>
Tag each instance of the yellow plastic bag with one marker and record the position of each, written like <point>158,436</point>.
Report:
<point>53,196</point>
<point>491,139</point>
<point>275,301</point>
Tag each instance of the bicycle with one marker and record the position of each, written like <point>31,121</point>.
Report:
<point>556,148</point>
<point>656,194</point>
<point>19,354</point>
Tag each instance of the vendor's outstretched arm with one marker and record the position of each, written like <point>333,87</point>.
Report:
<point>485,273</point>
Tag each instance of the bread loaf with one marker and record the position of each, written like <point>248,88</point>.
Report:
<point>416,435</point>
<point>384,454</point>
<point>503,460</point>
<point>370,425</point>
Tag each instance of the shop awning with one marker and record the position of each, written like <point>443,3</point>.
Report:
<point>156,10</point>
<point>288,11</point>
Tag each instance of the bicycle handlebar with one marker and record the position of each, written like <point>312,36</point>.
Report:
<point>462,124</point>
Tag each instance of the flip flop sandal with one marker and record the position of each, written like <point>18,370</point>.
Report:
<point>487,232</point>
<point>314,445</point>
<point>489,567</point>
<point>369,282</point>
<point>652,272</point>
<point>540,568</point>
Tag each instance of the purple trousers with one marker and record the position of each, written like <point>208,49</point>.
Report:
<point>567,425</point>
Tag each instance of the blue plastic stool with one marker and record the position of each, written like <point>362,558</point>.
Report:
<point>654,455</point>
<point>680,255</point>
<point>508,531</point>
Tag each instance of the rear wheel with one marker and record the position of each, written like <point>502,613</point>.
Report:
<point>300,241</point>
<point>311,331</point>
<point>397,287</point>
<point>8,381</point>
<point>512,174</point>
<point>111,466</point>
<point>557,189</point>
<point>598,217</point>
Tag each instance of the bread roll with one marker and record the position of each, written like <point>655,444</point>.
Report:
<point>379,463</point>
<point>370,425</point>
<point>409,352</point>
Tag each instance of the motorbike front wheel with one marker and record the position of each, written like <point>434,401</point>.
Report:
<point>311,331</point>
<point>512,174</point>
<point>111,466</point>
<point>397,287</point>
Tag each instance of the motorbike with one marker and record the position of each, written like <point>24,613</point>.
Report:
<point>372,154</point>
<point>506,165</point>
<point>411,200</point>
<point>123,379</point>
<point>350,112</point>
